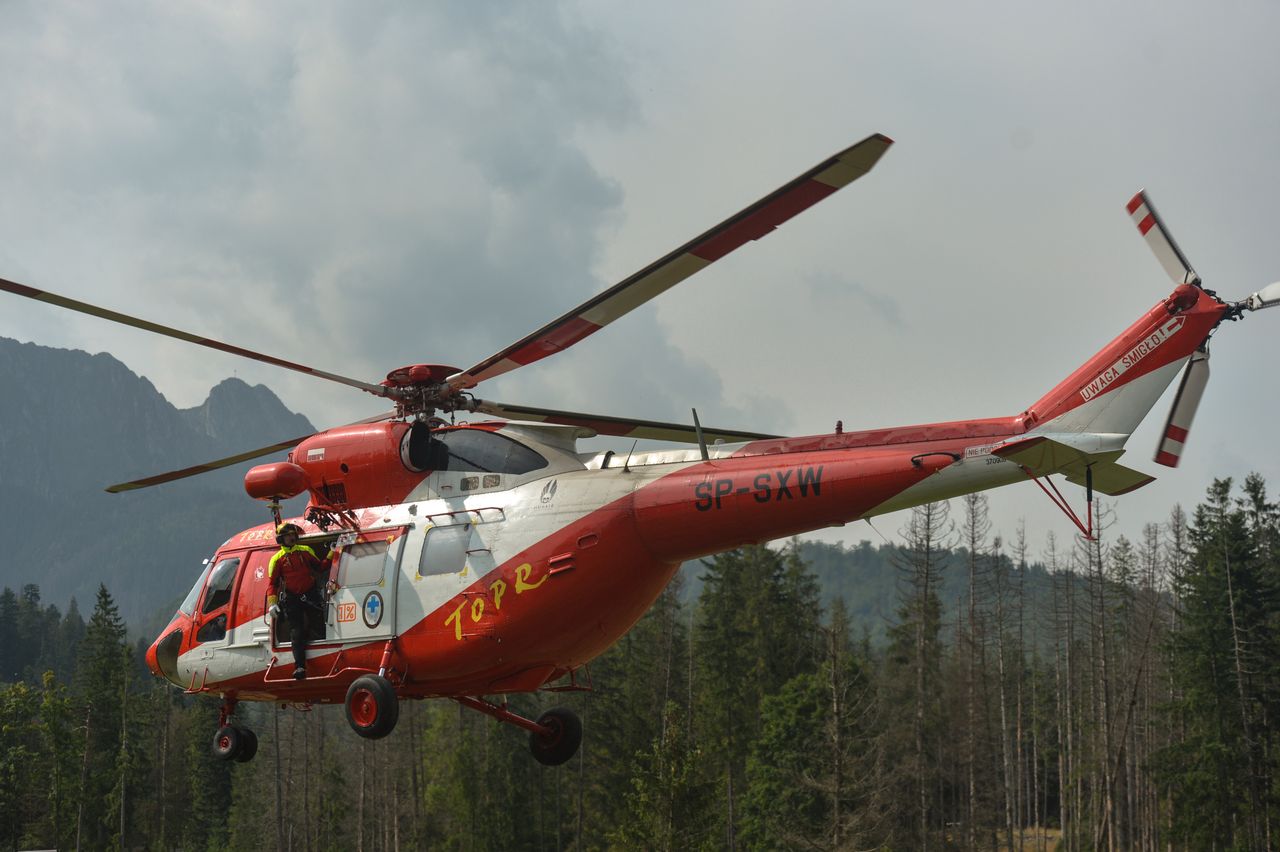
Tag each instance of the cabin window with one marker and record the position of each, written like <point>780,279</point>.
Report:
<point>219,587</point>
<point>445,550</point>
<point>364,563</point>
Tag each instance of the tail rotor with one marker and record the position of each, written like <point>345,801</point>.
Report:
<point>1196,375</point>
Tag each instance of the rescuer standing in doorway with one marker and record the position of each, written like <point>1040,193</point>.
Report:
<point>295,591</point>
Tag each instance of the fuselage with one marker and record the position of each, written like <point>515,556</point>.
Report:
<point>503,588</point>
<point>499,558</point>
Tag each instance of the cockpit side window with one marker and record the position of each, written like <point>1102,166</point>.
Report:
<point>188,605</point>
<point>219,585</point>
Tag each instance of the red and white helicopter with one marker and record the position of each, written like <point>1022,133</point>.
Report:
<point>486,558</point>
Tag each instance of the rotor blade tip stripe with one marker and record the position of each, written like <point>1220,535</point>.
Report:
<point>1166,459</point>
<point>1176,433</point>
<point>1134,203</point>
<point>1146,224</point>
<point>557,339</point>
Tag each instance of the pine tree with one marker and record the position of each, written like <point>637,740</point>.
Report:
<point>57,731</point>
<point>1216,776</point>
<point>102,677</point>
<point>912,673</point>
<point>10,664</point>
<point>21,754</point>
<point>756,628</point>
<point>641,686</point>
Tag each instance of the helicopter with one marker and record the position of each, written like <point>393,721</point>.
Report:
<point>477,559</point>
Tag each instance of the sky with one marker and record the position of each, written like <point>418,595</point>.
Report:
<point>359,187</point>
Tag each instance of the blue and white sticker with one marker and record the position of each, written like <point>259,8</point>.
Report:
<point>372,609</point>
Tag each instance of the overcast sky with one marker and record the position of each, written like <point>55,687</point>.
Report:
<point>364,186</point>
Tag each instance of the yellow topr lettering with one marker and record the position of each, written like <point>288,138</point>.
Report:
<point>499,589</point>
<point>522,578</point>
<point>456,618</point>
<point>477,609</point>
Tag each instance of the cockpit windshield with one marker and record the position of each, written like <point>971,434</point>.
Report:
<point>188,606</point>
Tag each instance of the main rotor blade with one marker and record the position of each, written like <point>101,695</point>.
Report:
<point>124,319</point>
<point>217,464</point>
<point>624,427</point>
<point>750,224</point>
<point>1151,226</point>
<point>1183,410</point>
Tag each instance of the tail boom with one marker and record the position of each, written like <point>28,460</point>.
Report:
<point>1114,390</point>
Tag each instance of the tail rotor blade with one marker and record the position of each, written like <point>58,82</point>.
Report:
<point>1185,403</point>
<point>1151,226</point>
<point>1267,297</point>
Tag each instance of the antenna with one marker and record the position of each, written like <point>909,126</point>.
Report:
<point>873,526</point>
<point>626,465</point>
<point>702,442</point>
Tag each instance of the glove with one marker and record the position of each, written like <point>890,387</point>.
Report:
<point>273,607</point>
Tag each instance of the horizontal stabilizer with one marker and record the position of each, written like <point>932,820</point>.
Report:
<point>1043,456</point>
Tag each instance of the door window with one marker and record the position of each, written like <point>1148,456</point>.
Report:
<point>368,563</point>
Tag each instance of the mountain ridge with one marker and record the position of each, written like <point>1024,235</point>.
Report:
<point>72,423</point>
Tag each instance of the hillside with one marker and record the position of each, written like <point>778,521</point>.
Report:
<point>867,578</point>
<point>72,423</point>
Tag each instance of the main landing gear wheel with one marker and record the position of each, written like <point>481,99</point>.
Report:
<point>372,707</point>
<point>233,743</point>
<point>562,742</point>
<point>248,746</point>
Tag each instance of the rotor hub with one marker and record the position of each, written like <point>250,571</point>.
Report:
<point>421,389</point>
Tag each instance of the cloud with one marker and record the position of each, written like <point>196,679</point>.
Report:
<point>351,190</point>
<point>366,187</point>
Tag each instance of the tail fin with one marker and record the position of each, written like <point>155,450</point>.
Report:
<point>1115,389</point>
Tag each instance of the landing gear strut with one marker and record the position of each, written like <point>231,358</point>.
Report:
<point>232,741</point>
<point>553,739</point>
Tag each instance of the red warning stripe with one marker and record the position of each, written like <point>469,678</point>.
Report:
<point>1167,459</point>
<point>1175,433</point>
<point>555,340</point>
<point>761,221</point>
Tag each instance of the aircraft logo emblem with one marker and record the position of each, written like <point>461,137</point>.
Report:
<point>372,610</point>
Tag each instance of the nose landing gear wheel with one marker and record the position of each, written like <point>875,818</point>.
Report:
<point>562,743</point>
<point>372,707</point>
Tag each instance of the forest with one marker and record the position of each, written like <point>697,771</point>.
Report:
<point>1127,699</point>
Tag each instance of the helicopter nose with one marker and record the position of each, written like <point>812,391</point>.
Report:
<point>162,656</point>
<point>152,662</point>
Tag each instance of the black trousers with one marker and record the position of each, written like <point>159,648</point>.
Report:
<point>301,612</point>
